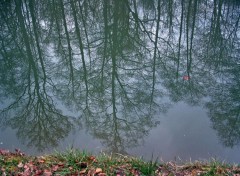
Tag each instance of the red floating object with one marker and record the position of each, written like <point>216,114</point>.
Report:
<point>186,77</point>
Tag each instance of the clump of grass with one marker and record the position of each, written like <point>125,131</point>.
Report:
<point>216,167</point>
<point>76,162</point>
<point>203,168</point>
<point>146,168</point>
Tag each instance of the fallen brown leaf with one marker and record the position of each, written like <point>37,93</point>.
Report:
<point>20,165</point>
<point>98,170</point>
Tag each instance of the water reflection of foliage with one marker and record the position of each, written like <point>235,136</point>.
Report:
<point>116,106</point>
<point>224,106</point>
<point>113,63</point>
<point>39,125</point>
<point>31,110</point>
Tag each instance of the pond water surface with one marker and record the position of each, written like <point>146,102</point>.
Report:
<point>136,77</point>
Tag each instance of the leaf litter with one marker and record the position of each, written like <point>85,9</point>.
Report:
<point>80,164</point>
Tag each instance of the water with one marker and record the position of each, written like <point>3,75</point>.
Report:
<point>141,78</point>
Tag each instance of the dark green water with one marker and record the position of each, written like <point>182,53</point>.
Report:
<point>136,77</point>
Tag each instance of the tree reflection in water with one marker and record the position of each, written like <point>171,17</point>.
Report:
<point>118,65</point>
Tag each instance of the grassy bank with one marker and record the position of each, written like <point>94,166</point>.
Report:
<point>75,162</point>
